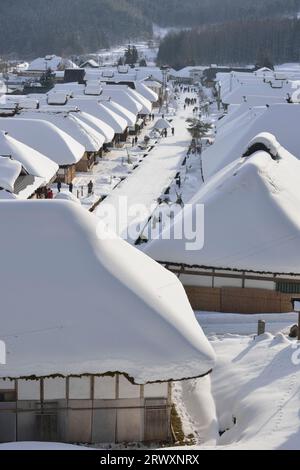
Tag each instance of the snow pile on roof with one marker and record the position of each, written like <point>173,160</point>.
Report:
<point>9,173</point>
<point>90,107</point>
<point>90,63</point>
<point>95,312</point>
<point>121,94</point>
<point>53,62</point>
<point>113,119</point>
<point>57,98</point>
<point>32,161</point>
<point>70,123</point>
<point>252,218</point>
<point>93,88</point>
<point>123,112</point>
<point>236,133</point>
<point>45,138</point>
<point>145,91</point>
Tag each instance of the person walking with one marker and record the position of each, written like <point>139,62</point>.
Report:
<point>90,188</point>
<point>50,194</point>
<point>71,187</point>
<point>173,131</point>
<point>59,186</point>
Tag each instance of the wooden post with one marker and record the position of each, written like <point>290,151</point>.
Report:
<point>261,327</point>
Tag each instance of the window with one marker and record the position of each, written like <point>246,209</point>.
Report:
<point>288,287</point>
<point>80,388</point>
<point>29,390</point>
<point>8,395</point>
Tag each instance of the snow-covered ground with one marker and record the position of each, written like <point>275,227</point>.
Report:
<point>255,386</point>
<point>149,181</point>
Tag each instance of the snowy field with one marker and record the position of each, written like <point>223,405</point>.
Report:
<point>255,386</point>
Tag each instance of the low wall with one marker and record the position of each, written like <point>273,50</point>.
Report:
<point>238,300</point>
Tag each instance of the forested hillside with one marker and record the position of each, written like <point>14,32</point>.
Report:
<point>236,43</point>
<point>33,27</point>
<point>199,12</point>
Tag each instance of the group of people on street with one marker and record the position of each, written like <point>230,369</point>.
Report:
<point>134,141</point>
<point>190,101</point>
<point>164,132</point>
<point>44,193</point>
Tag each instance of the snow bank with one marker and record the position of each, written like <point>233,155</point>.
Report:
<point>16,446</point>
<point>80,306</point>
<point>255,385</point>
<point>67,196</point>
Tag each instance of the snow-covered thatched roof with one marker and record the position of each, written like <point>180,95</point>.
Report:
<point>122,95</point>
<point>252,217</point>
<point>9,172</point>
<point>143,90</point>
<point>53,62</point>
<point>85,302</point>
<point>90,106</point>
<point>93,88</point>
<point>46,138</point>
<point>281,120</point>
<point>129,117</point>
<point>68,120</point>
<point>32,161</point>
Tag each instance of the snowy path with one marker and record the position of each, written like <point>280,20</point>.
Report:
<point>148,182</point>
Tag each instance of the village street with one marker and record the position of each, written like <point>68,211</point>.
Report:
<point>143,188</point>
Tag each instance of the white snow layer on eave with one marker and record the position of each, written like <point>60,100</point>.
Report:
<point>235,136</point>
<point>137,318</point>
<point>9,173</point>
<point>252,219</point>
<point>44,137</point>
<point>35,163</point>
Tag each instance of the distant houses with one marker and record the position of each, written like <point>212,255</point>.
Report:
<point>97,364</point>
<point>85,106</point>
<point>49,62</point>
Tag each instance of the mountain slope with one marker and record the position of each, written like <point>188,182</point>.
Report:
<point>36,27</point>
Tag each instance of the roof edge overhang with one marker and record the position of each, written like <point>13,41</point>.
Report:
<point>106,374</point>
